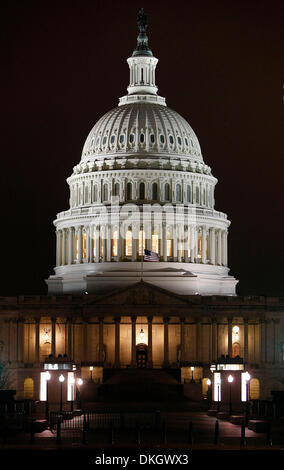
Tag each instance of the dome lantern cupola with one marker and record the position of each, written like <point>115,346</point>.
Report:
<point>142,65</point>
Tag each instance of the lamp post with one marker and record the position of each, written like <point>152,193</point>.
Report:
<point>79,383</point>
<point>61,380</point>
<point>72,382</point>
<point>91,373</point>
<point>230,380</point>
<point>192,370</point>
<point>47,378</point>
<point>208,393</point>
<point>247,379</point>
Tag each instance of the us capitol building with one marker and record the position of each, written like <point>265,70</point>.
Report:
<point>142,186</point>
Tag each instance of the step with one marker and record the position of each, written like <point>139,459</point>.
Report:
<point>258,425</point>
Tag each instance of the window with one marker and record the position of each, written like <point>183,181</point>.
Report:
<point>142,191</point>
<point>154,191</point>
<point>121,138</point>
<point>114,243</point>
<point>116,189</point>
<point>186,141</point>
<point>179,140</point>
<point>102,244</point>
<point>141,247</point>
<point>167,192</point>
<point>84,245</point>
<point>104,140</point>
<point>199,246</point>
<point>70,387</point>
<point>197,195</point>
<point>129,191</point>
<point>162,139</point>
<point>131,138</point>
<point>95,194</point>
<point>28,388</point>
<point>155,243</point>
<point>152,138</point>
<point>171,139</point>
<point>188,193</point>
<point>112,139</point>
<point>105,192</point>
<point>178,192</point>
<point>169,245</point>
<point>142,137</point>
<point>128,243</point>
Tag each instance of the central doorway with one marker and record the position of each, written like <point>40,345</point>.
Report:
<point>141,356</point>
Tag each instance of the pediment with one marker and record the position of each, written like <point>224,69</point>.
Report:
<point>141,293</point>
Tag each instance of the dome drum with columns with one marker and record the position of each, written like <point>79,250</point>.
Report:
<point>142,184</point>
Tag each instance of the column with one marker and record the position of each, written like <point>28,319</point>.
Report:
<point>108,243</point>
<point>101,340</point>
<point>214,339</point>
<point>245,340</point>
<point>166,342</point>
<point>84,339</point>
<point>225,249</point>
<point>117,342</point>
<point>230,349</point>
<point>134,243</point>
<point>69,338</point>
<point>174,243</point>
<point>70,245</point>
<point>20,340</point>
<point>276,322</point>
<point>186,243</point>
<point>212,246</point>
<point>203,246</point>
<point>97,256</point>
<point>87,229</point>
<point>219,251</point>
<point>133,341</point>
<point>80,244</point>
<point>182,320</point>
<point>164,229</point>
<point>262,340</point>
<point>192,241</point>
<point>53,336</point>
<point>150,347</point>
<point>37,344</point>
<point>63,261</point>
<point>58,237</point>
<point>197,340</point>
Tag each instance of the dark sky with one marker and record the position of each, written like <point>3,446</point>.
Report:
<point>63,65</point>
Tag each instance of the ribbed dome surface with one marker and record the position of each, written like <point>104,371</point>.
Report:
<point>142,128</point>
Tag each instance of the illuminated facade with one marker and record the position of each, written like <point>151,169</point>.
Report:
<point>142,176</point>
<point>141,184</point>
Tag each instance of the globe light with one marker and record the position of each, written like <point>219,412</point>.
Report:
<point>61,378</point>
<point>91,368</point>
<point>236,330</point>
<point>230,379</point>
<point>208,382</point>
<point>71,380</point>
<point>247,376</point>
<point>47,376</point>
<point>80,382</point>
<point>192,368</point>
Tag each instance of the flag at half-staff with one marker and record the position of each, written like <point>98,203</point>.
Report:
<point>151,256</point>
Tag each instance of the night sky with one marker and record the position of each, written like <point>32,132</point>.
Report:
<point>63,65</point>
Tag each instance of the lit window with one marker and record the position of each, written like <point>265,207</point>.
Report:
<point>199,245</point>
<point>128,243</point>
<point>76,247</point>
<point>141,248</point>
<point>84,245</point>
<point>102,245</point>
<point>155,243</point>
<point>169,244</point>
<point>70,387</point>
<point>114,243</point>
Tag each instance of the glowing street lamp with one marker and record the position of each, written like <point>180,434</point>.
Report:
<point>79,383</point>
<point>61,380</point>
<point>91,373</point>
<point>192,370</point>
<point>230,380</point>
<point>208,393</point>
<point>247,378</point>
<point>47,378</point>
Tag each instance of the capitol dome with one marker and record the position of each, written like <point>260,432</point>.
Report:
<point>142,192</point>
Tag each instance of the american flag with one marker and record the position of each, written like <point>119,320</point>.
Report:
<point>151,256</point>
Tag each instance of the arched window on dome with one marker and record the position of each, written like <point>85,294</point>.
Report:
<point>114,243</point>
<point>105,192</point>
<point>178,192</point>
<point>129,191</point>
<point>197,199</point>
<point>154,191</point>
<point>171,139</point>
<point>142,191</point>
<point>188,193</point>
<point>95,193</point>
<point>116,189</point>
<point>128,243</point>
<point>86,194</point>
<point>204,197</point>
<point>152,138</point>
<point>167,192</point>
<point>131,138</point>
